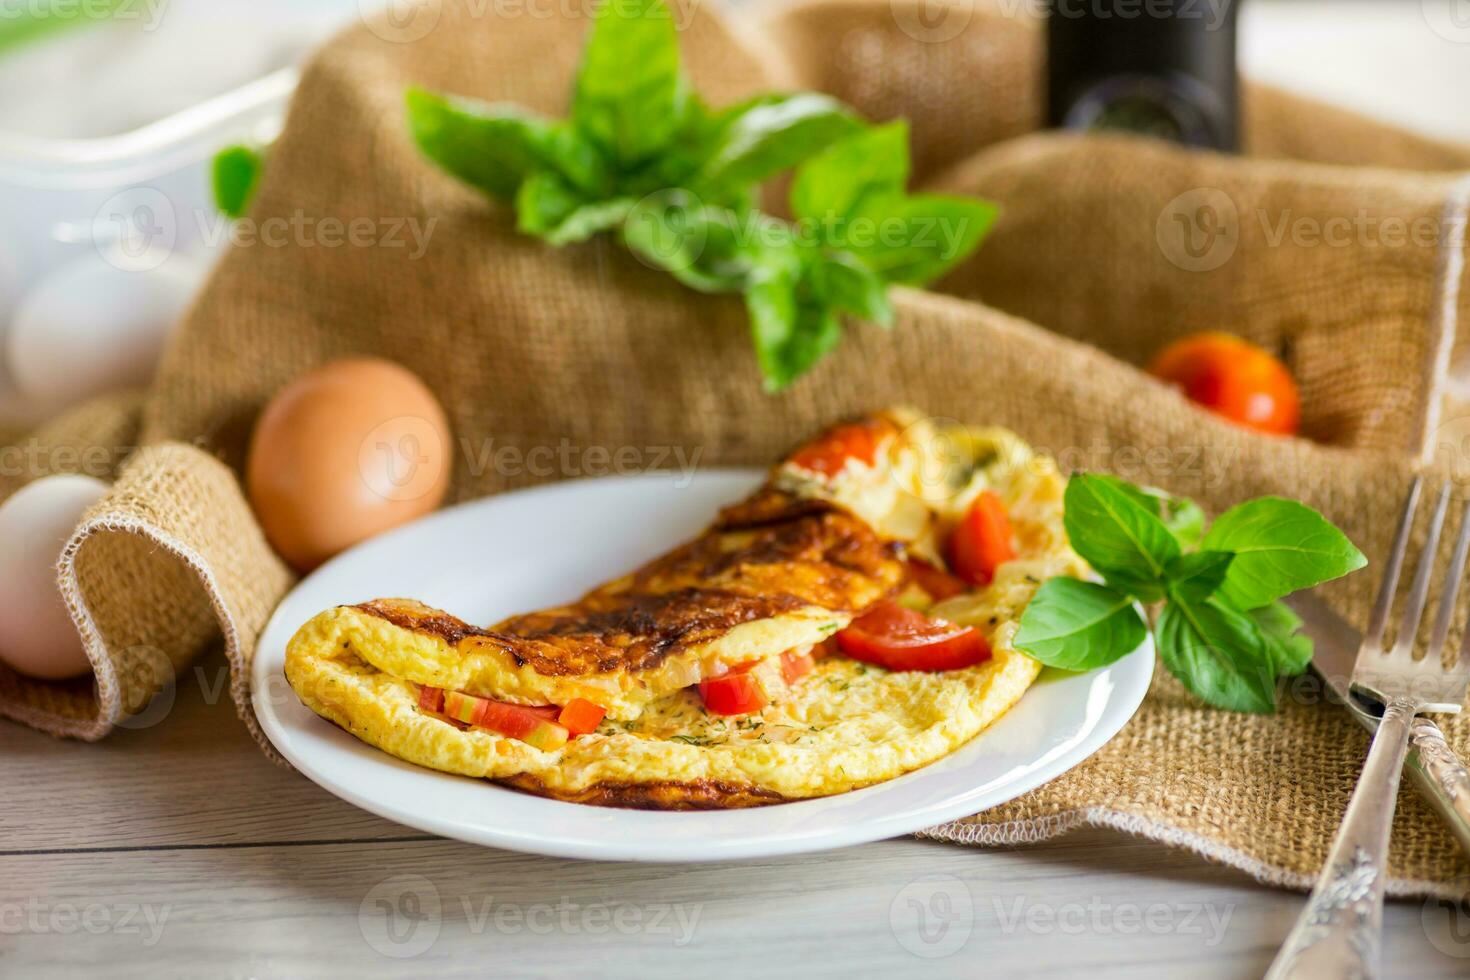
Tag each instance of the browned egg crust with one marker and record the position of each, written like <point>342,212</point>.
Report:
<point>771,554</point>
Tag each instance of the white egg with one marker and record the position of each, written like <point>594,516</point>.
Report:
<point>91,327</point>
<point>37,636</point>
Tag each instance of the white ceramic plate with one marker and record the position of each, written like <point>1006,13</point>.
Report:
<point>520,551</point>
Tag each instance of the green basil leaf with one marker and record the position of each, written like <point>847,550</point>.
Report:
<point>1185,519</point>
<point>234,174</point>
<point>1290,650</point>
<point>630,94</point>
<point>791,332</point>
<point>1180,514</point>
<point>1118,536</point>
<point>590,219</point>
<point>915,240</point>
<point>493,148</point>
<point>1218,654</point>
<point>772,135</point>
<point>1075,625</point>
<point>1280,547</point>
<point>1196,576</point>
<point>546,206</point>
<point>543,202</point>
<point>704,248</point>
<point>679,163</point>
<point>844,282</point>
<point>833,186</point>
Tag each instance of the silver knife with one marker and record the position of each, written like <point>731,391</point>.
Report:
<point>1431,765</point>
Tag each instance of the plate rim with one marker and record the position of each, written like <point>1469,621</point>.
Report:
<point>1132,673</point>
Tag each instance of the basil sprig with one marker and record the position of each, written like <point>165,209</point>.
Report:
<point>642,157</point>
<point>1221,627</point>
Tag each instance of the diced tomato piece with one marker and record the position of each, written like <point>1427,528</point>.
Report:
<point>581,717</point>
<point>795,666</point>
<point>901,639</point>
<point>936,581</point>
<point>547,736</point>
<point>735,693</point>
<point>983,540</point>
<point>431,699</point>
<point>462,707</point>
<point>830,452</point>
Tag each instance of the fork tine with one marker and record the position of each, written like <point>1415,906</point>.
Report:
<point>1419,591</point>
<point>1451,592</point>
<point>1381,607</point>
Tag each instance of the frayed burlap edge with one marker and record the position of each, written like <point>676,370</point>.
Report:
<point>1452,346</point>
<point>109,701</point>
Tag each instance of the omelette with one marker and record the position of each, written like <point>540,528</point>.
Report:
<point>850,621</point>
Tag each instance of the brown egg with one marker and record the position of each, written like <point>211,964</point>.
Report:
<point>343,453</point>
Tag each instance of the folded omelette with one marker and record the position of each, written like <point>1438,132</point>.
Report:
<point>847,623</point>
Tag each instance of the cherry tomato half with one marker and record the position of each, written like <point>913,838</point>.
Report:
<point>900,639</point>
<point>983,540</point>
<point>1234,379</point>
<point>829,453</point>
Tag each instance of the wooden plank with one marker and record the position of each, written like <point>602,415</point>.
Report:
<point>190,775</point>
<point>1094,905</point>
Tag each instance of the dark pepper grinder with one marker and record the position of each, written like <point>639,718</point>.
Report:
<point>1163,68</point>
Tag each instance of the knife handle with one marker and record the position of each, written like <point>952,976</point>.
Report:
<point>1443,776</point>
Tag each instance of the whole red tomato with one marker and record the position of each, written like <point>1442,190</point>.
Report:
<point>1233,378</point>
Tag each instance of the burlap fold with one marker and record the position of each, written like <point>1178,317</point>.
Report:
<point>533,347</point>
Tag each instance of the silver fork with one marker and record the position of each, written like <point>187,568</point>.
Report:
<point>1337,934</point>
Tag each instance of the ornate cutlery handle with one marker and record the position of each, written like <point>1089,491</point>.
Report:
<point>1337,934</point>
<point>1442,766</point>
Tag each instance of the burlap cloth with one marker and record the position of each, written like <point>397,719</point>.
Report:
<point>530,346</point>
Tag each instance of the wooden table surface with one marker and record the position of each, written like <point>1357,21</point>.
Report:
<point>178,850</point>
